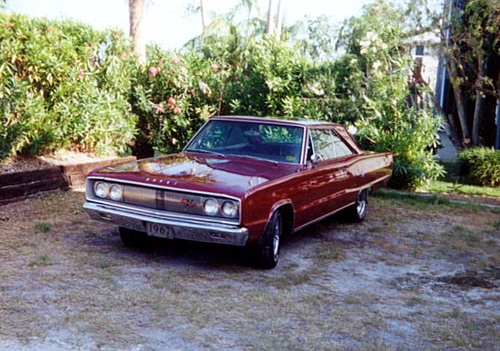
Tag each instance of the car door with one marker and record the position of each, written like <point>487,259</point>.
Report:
<point>328,176</point>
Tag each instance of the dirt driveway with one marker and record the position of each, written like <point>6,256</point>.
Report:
<point>413,276</point>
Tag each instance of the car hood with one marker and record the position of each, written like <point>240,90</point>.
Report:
<point>195,172</point>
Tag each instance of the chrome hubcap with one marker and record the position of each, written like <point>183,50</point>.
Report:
<point>276,240</point>
<point>361,204</point>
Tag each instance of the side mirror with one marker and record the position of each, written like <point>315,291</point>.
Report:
<point>316,158</point>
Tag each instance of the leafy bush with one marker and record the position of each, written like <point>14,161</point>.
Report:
<point>480,166</point>
<point>172,95</point>
<point>62,84</point>
<point>391,114</point>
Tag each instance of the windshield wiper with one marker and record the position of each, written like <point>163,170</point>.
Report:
<point>253,158</point>
<point>203,151</point>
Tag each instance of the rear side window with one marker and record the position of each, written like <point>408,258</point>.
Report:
<point>323,145</point>
<point>328,145</point>
<point>340,147</point>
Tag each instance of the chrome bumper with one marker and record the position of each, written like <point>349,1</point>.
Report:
<point>182,229</point>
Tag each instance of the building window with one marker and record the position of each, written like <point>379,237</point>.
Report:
<point>419,50</point>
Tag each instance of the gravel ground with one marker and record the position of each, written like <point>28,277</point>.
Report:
<point>413,276</point>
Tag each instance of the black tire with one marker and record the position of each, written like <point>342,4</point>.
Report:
<point>268,246</point>
<point>133,238</point>
<point>357,212</point>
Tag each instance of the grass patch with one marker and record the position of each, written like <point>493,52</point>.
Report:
<point>412,197</point>
<point>424,202</point>
<point>329,251</point>
<point>291,280</point>
<point>415,301</point>
<point>42,260</point>
<point>377,229</point>
<point>452,182</point>
<point>466,235</point>
<point>42,227</point>
<point>496,225</point>
<point>440,186</point>
<point>352,300</point>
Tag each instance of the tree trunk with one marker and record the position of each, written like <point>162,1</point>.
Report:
<point>270,19</point>
<point>478,110</point>
<point>457,92</point>
<point>279,21</point>
<point>136,10</point>
<point>203,16</point>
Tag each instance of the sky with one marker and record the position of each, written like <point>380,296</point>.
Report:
<point>168,22</point>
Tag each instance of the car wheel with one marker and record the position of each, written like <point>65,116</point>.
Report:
<point>133,238</point>
<point>268,247</point>
<point>357,212</point>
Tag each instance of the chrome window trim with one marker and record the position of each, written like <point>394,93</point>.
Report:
<point>159,213</point>
<point>304,134</point>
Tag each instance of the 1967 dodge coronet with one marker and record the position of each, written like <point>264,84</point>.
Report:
<point>240,181</point>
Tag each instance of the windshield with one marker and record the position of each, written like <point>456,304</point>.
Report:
<point>273,142</point>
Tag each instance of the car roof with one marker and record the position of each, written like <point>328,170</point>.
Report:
<point>298,122</point>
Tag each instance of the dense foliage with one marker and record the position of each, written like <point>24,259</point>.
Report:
<point>480,166</point>
<point>172,96</point>
<point>62,84</point>
<point>65,85</point>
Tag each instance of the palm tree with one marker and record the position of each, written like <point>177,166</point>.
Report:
<point>136,9</point>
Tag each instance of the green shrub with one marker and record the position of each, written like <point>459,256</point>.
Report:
<point>378,83</point>
<point>480,166</point>
<point>172,95</point>
<point>62,85</point>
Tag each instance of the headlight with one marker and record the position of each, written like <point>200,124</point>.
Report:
<point>211,207</point>
<point>101,189</point>
<point>116,192</point>
<point>229,209</point>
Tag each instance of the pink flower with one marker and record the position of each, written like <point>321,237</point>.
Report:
<point>159,108</point>
<point>116,37</point>
<point>124,55</point>
<point>177,110</point>
<point>154,71</point>
<point>176,59</point>
<point>171,101</point>
<point>192,91</point>
<point>215,67</point>
<point>235,79</point>
<point>9,24</point>
<point>81,74</point>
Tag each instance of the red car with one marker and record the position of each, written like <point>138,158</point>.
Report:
<point>240,181</point>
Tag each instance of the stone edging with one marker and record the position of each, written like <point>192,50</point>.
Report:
<point>21,185</point>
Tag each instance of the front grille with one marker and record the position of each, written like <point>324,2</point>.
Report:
<point>163,200</point>
<point>186,205</point>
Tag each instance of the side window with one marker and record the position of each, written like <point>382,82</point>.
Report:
<point>341,149</point>
<point>323,145</point>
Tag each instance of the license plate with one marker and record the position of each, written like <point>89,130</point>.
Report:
<point>160,230</point>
